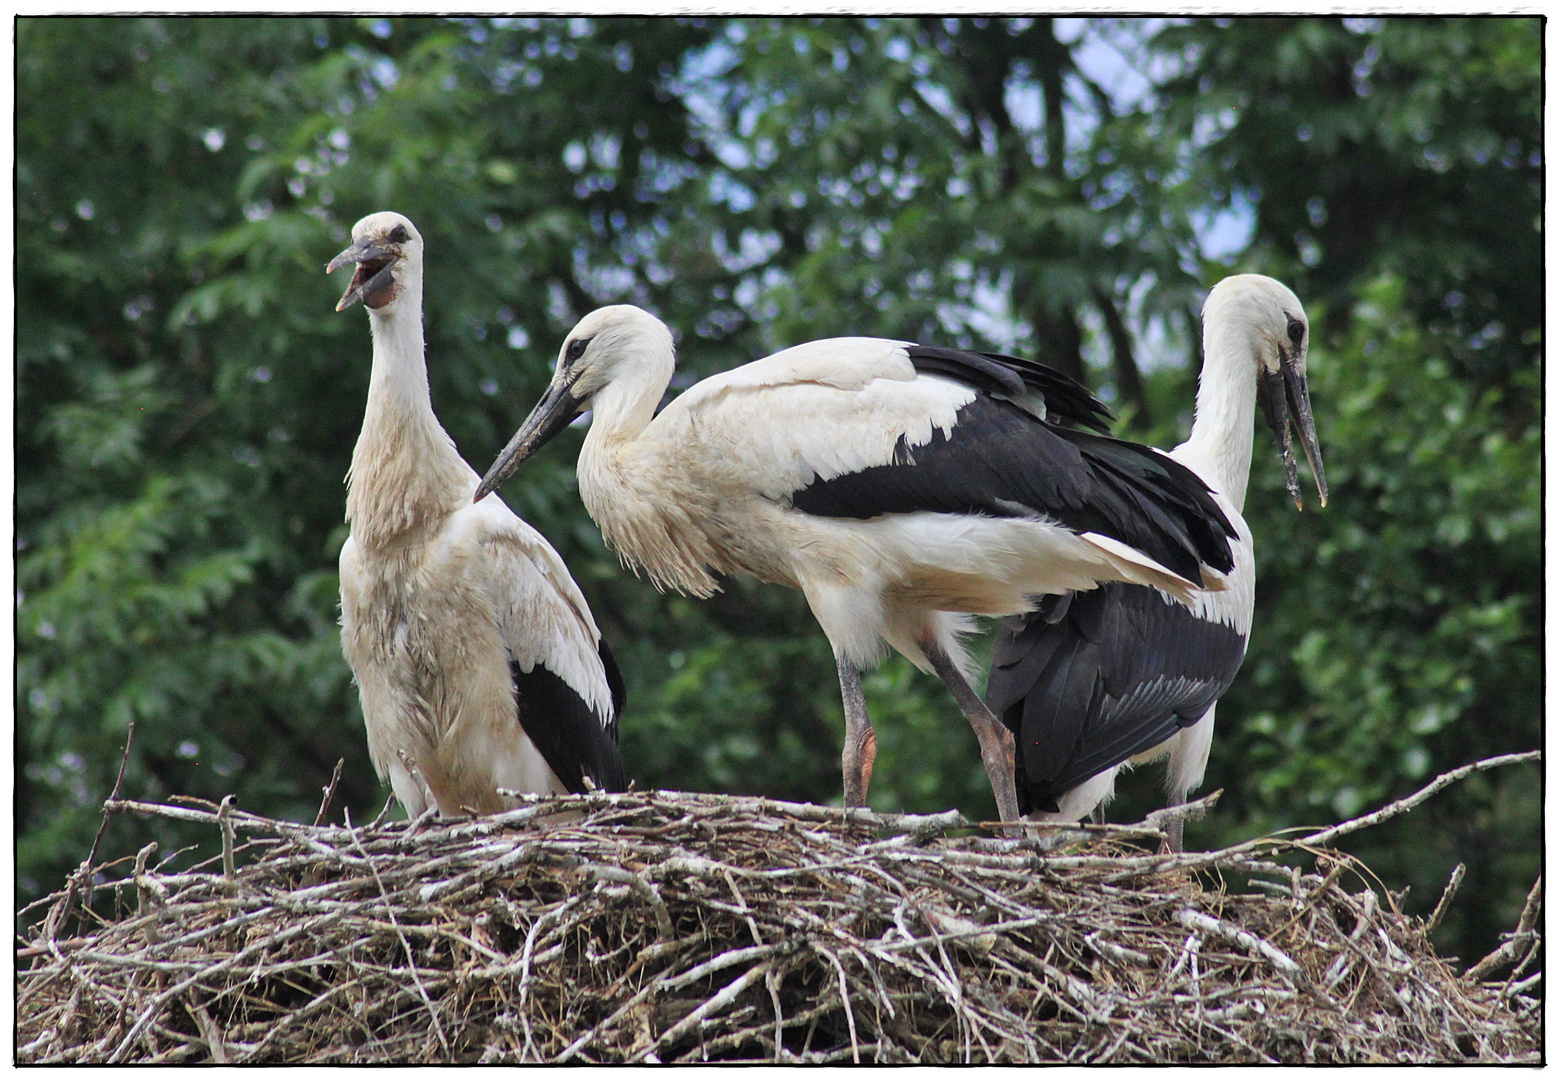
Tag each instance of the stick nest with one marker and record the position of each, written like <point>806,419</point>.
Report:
<point>655,926</point>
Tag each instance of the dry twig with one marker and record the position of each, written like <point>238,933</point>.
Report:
<point>656,926</point>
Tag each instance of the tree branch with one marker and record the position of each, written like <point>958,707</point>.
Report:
<point>1128,380</point>
<point>1402,806</point>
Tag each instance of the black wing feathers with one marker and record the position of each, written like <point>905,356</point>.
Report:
<point>574,740</point>
<point>1002,462</point>
<point>1118,673</point>
<point>1066,399</point>
<point>615,683</point>
<point>1169,500</point>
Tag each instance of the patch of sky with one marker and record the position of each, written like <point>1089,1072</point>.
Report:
<point>1096,353</point>
<point>987,313</point>
<point>384,72</point>
<point>1113,55</point>
<point>558,309</point>
<point>722,188</point>
<point>942,103</point>
<point>1158,329</point>
<point>747,293</point>
<point>1225,232</point>
<point>606,283</point>
<point>753,249</point>
<point>604,150</point>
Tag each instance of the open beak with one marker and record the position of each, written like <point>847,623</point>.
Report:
<point>1283,391</point>
<point>554,412</point>
<point>371,281</point>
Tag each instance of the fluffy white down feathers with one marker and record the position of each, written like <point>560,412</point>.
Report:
<point>443,600</point>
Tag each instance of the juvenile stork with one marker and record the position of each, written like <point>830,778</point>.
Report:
<point>900,487</point>
<point>1091,681</point>
<point>477,661</point>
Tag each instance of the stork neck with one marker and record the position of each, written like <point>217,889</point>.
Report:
<point>405,469</point>
<point>1220,442</point>
<point>608,481</point>
<point>649,510</point>
<point>398,384</point>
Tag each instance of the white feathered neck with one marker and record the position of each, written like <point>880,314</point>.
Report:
<point>406,473</point>
<point>1235,335</point>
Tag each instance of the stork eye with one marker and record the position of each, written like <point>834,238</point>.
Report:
<point>1296,331</point>
<point>576,349</point>
<point>398,235</point>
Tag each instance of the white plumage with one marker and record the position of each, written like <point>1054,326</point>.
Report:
<point>478,663</point>
<point>1128,674</point>
<point>901,487</point>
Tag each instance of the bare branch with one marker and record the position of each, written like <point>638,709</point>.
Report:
<point>1402,806</point>
<point>648,926</point>
<point>1518,941</point>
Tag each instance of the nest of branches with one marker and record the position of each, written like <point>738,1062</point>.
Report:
<point>655,926</point>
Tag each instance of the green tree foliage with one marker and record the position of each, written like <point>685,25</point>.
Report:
<point>909,176</point>
<point>1405,618</point>
<point>188,400</point>
<point>1411,147</point>
<point>1394,167</point>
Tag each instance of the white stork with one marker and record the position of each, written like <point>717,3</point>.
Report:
<point>477,660</point>
<point>901,487</point>
<point>1091,681</point>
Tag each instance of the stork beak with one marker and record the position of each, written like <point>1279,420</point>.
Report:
<point>372,277</point>
<point>554,412</point>
<point>1281,391</point>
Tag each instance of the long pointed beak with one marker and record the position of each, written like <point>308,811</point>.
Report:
<point>1281,391</point>
<point>373,270</point>
<point>554,412</point>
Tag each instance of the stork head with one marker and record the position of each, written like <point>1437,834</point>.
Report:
<point>1266,314</point>
<point>616,361</point>
<point>387,251</point>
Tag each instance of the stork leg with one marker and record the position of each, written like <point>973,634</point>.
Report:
<point>1187,766</point>
<point>860,741</point>
<point>997,748</point>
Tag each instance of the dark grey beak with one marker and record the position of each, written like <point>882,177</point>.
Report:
<point>1281,391</point>
<point>373,271</point>
<point>554,412</point>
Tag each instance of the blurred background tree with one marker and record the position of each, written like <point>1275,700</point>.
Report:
<point>1067,189</point>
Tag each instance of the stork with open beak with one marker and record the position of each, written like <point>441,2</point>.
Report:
<point>477,660</point>
<point>901,487</point>
<point>1092,681</point>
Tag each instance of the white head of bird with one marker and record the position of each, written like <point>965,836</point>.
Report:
<point>405,469</point>
<point>617,363</point>
<point>387,251</point>
<point>1254,321</point>
<point>620,346</point>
